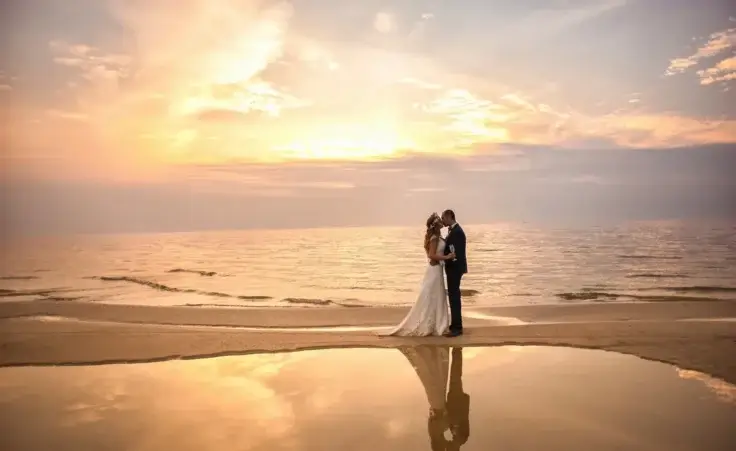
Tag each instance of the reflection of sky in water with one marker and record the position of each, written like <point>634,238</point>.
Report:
<point>725,391</point>
<point>364,400</point>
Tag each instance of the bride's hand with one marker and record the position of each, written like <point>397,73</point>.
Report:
<point>451,256</point>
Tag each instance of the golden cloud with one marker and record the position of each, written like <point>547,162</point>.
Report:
<point>718,43</point>
<point>236,80</point>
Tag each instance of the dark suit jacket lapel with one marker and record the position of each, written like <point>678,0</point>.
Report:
<point>452,229</point>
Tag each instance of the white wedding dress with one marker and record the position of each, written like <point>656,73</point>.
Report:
<point>429,315</point>
<point>432,365</point>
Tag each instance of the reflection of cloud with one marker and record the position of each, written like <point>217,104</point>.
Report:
<point>495,356</point>
<point>723,390</point>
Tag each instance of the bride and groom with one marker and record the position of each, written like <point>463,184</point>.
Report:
<point>449,406</point>
<point>429,314</point>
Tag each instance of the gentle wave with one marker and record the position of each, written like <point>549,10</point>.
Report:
<point>194,271</point>
<point>584,295</point>
<point>693,289</point>
<point>510,265</point>
<point>358,288</point>
<point>162,287</point>
<point>45,294</point>
<point>650,257</point>
<point>600,296</point>
<point>53,295</point>
<point>59,318</point>
<point>657,276</point>
<point>298,301</point>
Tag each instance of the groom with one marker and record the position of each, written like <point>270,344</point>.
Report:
<point>455,269</point>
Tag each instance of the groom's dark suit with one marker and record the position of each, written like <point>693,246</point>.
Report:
<point>458,403</point>
<point>457,413</point>
<point>455,270</point>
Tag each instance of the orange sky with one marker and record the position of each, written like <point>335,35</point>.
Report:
<point>142,115</point>
<point>137,84</point>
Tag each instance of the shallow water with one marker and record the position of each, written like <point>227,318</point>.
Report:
<point>521,398</point>
<point>509,264</point>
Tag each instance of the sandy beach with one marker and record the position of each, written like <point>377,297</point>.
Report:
<point>697,336</point>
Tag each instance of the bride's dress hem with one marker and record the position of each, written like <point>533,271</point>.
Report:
<point>429,315</point>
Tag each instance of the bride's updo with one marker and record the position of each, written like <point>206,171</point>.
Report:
<point>433,222</point>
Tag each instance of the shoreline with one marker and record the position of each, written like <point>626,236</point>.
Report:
<point>335,316</point>
<point>698,336</point>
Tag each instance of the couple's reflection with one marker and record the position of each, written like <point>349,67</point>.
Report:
<point>449,405</point>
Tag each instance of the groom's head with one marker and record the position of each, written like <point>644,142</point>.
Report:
<point>448,218</point>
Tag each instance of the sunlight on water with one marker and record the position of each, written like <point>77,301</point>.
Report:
<point>508,264</point>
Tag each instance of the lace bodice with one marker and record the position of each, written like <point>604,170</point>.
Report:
<point>440,250</point>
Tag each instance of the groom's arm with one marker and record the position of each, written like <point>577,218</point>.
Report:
<point>460,243</point>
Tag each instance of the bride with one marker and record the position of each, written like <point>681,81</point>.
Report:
<point>429,314</point>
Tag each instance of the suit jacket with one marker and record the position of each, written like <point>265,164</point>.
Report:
<point>456,238</point>
<point>458,403</point>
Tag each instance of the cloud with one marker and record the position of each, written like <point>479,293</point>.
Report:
<point>258,182</point>
<point>471,119</point>
<point>724,70</point>
<point>174,65</point>
<point>659,130</point>
<point>717,44</point>
<point>251,81</point>
<point>67,115</point>
<point>420,83</point>
<point>534,183</point>
<point>384,22</point>
<point>420,26</point>
<point>554,19</point>
<point>5,82</point>
<point>221,115</point>
<point>230,101</point>
<point>101,71</point>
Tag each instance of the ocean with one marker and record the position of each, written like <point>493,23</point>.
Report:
<point>509,264</point>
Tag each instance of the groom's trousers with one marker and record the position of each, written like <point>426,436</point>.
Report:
<point>453,293</point>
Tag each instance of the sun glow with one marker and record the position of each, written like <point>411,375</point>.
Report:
<point>347,143</point>
<point>232,81</point>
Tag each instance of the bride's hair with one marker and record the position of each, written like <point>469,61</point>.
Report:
<point>432,222</point>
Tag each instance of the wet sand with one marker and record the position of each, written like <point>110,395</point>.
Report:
<point>692,335</point>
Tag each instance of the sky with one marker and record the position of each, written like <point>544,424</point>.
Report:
<point>172,115</point>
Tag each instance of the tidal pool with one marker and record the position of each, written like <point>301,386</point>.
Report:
<point>420,398</point>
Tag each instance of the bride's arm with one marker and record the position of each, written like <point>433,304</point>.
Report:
<point>432,252</point>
